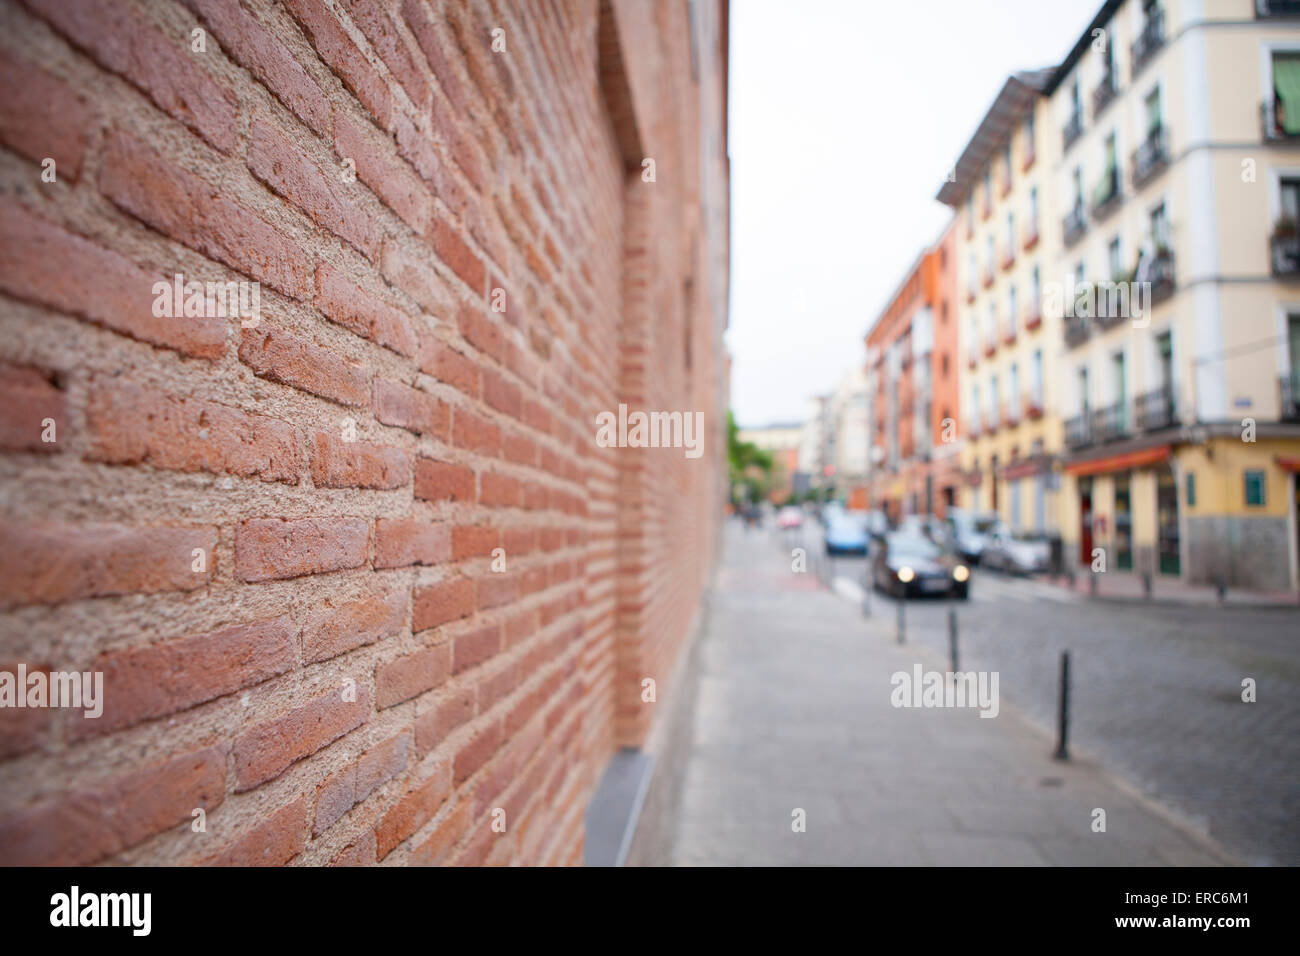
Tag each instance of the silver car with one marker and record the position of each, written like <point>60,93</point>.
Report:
<point>1018,553</point>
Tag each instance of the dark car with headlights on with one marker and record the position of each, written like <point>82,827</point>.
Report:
<point>908,565</point>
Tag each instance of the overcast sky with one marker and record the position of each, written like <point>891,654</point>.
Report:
<point>845,117</point>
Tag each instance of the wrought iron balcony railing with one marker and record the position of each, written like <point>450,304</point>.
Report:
<point>1106,197</point>
<point>1155,409</point>
<point>1151,157</point>
<point>1273,124</point>
<point>1073,130</point>
<point>1104,94</point>
<point>1076,331</point>
<point>1110,423</point>
<point>1149,41</point>
<point>1074,225</point>
<point>1285,253</point>
<point>1290,395</point>
<point>1078,430</point>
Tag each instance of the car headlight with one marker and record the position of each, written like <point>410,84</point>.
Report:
<point>960,573</point>
<point>905,574</point>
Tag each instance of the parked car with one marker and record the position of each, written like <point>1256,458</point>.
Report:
<point>791,516</point>
<point>928,526</point>
<point>969,532</point>
<point>1022,553</point>
<point>846,533</point>
<point>911,564</point>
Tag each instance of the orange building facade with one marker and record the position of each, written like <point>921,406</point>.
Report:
<point>912,390</point>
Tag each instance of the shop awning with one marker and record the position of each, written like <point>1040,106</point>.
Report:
<point>1024,469</point>
<point>1133,459</point>
<point>1288,464</point>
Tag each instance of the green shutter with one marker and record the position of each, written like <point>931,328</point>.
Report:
<point>1286,81</point>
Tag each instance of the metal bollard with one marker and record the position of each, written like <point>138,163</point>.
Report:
<point>901,621</point>
<point>1221,585</point>
<point>1063,720</point>
<point>1092,584</point>
<point>866,590</point>
<point>952,638</point>
<point>1146,585</point>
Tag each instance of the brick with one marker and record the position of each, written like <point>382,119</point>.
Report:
<point>382,763</point>
<point>414,273</point>
<point>129,425</point>
<point>386,41</point>
<point>445,836</point>
<point>401,542</point>
<point>270,748</point>
<point>417,18</point>
<point>272,842</point>
<point>185,207</point>
<point>502,395</point>
<point>432,727</point>
<point>257,49</point>
<point>173,675</point>
<point>336,795</point>
<point>86,824</point>
<point>475,433</point>
<point>470,650</point>
<point>23,729</point>
<point>331,631</point>
<point>283,165</point>
<point>476,751</point>
<point>495,687</point>
<point>439,603</point>
<point>357,311</point>
<point>473,541</point>
<point>501,491</point>
<point>276,355</point>
<point>29,396</point>
<point>416,808</point>
<point>443,481</point>
<point>453,250</point>
<point>336,48</point>
<point>486,335</point>
<point>412,675</point>
<point>495,589</point>
<point>49,563</point>
<point>123,41</point>
<point>412,409</point>
<point>268,549</point>
<point>447,365</point>
<point>41,116</point>
<point>50,266</point>
<point>518,448</point>
<point>388,176</point>
<point>336,463</point>
<point>360,852</point>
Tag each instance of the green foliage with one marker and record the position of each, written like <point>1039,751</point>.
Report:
<point>750,467</point>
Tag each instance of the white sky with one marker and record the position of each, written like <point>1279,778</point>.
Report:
<point>845,117</point>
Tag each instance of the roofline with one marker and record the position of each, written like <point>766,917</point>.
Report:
<point>928,250</point>
<point>1103,17</point>
<point>1015,99</point>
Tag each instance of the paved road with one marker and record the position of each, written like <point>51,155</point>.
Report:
<point>794,715</point>
<point>1156,695</point>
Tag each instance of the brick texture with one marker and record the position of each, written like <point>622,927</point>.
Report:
<point>358,573</point>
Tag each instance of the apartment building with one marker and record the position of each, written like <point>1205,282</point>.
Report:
<point>912,389</point>
<point>1178,126</point>
<point>1001,190</point>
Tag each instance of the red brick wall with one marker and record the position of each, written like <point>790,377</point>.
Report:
<point>347,676</point>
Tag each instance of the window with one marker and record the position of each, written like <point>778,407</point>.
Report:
<point>991,331</point>
<point>1013,391</point>
<point>1078,186</point>
<point>1159,228</point>
<point>1029,133</point>
<point>1083,389</point>
<point>1035,284</point>
<point>1286,93</point>
<point>944,364</point>
<point>1255,489</point>
<point>1011,234</point>
<point>975,408</point>
<point>1036,381</point>
<point>994,405</point>
<point>1290,199</point>
<point>1191,489</point>
<point>1154,119</point>
<point>1011,309</point>
<point>1033,210</point>
<point>1113,257</point>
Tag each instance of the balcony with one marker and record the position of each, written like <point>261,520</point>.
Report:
<point>1106,197</point>
<point>1009,336</point>
<point>1272,125</point>
<point>1009,257</point>
<point>1160,273</point>
<point>1033,316</point>
<point>1284,249</point>
<point>1289,386</point>
<point>1031,237</point>
<point>1012,416</point>
<point>1073,130</point>
<point>1149,41</point>
<point>1028,161</point>
<point>970,294</point>
<point>1006,185</point>
<point>986,208</point>
<point>1110,423</point>
<point>991,426</point>
<point>1277,8</point>
<point>1074,225</point>
<point>991,345</point>
<point>1155,409</point>
<point>974,358</point>
<point>989,275</point>
<point>1033,407</point>
<point>1151,157</point>
<point>1076,331</point>
<point>1078,430</point>
<point>1104,94</point>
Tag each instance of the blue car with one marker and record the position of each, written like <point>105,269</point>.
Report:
<point>846,533</point>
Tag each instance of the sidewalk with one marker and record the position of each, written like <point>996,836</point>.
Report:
<point>1125,586</point>
<point>794,711</point>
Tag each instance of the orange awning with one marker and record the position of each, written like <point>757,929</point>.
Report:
<point>1288,464</point>
<point>1133,459</point>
